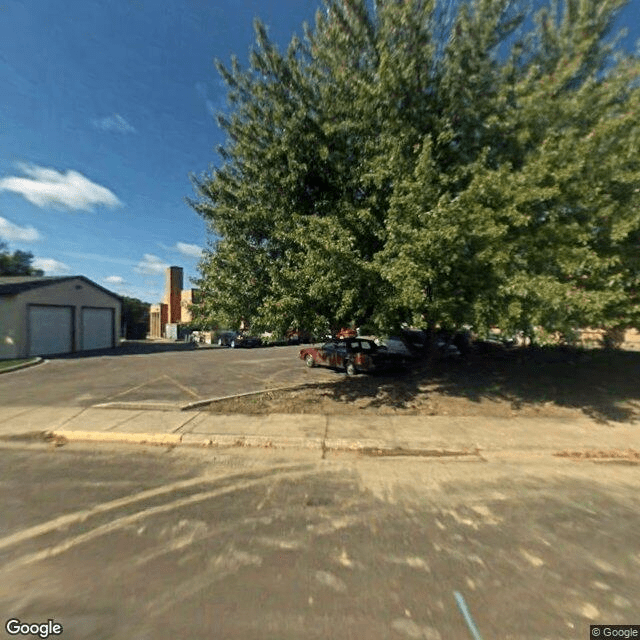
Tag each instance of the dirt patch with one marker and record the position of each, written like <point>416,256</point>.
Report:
<point>491,382</point>
<point>327,399</point>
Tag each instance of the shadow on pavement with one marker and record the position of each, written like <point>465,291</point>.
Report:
<point>132,347</point>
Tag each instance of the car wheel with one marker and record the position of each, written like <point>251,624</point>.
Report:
<point>219,342</point>
<point>233,344</point>
<point>309,361</point>
<point>350,368</point>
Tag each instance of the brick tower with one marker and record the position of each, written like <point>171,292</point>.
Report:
<point>173,293</point>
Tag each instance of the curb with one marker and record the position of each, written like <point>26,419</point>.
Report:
<point>24,365</point>
<point>201,403</point>
<point>373,448</point>
<point>60,436</point>
<point>262,442</point>
<point>365,448</point>
<point>138,406</point>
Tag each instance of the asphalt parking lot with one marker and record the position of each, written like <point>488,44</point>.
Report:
<point>164,373</point>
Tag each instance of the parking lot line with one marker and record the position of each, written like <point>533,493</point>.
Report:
<point>144,384</point>
<point>191,392</point>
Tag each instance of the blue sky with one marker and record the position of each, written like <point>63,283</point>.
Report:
<point>106,108</point>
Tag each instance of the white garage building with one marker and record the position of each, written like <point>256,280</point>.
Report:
<point>42,316</point>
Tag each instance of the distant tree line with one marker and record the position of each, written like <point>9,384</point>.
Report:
<point>17,263</point>
<point>134,319</point>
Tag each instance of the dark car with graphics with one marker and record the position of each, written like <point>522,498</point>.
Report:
<point>352,355</point>
<point>236,340</point>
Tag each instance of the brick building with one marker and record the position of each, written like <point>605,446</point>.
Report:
<point>166,316</point>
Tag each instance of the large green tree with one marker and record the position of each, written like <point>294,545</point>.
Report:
<point>398,167</point>
<point>17,263</point>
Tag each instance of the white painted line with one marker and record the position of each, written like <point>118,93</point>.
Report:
<point>462,605</point>
<point>191,392</point>
<point>144,384</point>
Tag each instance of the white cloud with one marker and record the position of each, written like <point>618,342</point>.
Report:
<point>51,267</point>
<point>190,250</point>
<point>48,187</point>
<point>114,280</point>
<point>113,122</point>
<point>14,233</point>
<point>151,265</point>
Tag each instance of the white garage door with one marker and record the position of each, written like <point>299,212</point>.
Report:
<point>97,328</point>
<point>50,330</point>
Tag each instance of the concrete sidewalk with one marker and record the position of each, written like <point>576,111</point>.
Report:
<point>384,434</point>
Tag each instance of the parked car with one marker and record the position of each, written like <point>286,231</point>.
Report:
<point>394,344</point>
<point>298,336</point>
<point>444,343</point>
<point>236,340</point>
<point>446,348</point>
<point>225,338</point>
<point>346,333</point>
<point>352,355</point>
<point>246,340</point>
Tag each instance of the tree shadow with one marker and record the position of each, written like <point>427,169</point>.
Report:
<point>128,348</point>
<point>601,384</point>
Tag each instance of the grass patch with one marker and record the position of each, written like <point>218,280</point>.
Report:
<point>7,364</point>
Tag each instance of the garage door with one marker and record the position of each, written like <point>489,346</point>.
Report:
<point>97,328</point>
<point>50,330</point>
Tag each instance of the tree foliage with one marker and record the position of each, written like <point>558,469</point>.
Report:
<point>134,318</point>
<point>17,263</point>
<point>394,167</point>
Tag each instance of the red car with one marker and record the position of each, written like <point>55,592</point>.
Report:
<point>352,355</point>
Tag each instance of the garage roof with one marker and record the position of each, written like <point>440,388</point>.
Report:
<point>12,285</point>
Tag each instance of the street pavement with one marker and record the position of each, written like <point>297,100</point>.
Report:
<point>119,542</point>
